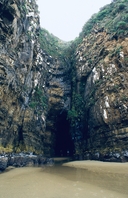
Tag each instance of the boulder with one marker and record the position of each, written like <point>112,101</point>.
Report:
<point>3,163</point>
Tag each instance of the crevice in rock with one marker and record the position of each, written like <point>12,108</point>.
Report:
<point>20,134</point>
<point>63,141</point>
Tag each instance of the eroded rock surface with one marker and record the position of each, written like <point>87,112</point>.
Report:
<point>59,93</point>
<point>22,77</point>
<point>23,159</point>
<point>102,75</point>
<point>75,103</point>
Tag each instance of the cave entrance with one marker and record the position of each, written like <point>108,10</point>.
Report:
<point>63,144</point>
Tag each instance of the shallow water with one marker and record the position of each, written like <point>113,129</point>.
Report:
<point>62,182</point>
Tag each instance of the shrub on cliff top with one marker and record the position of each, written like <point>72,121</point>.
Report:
<point>121,24</point>
<point>51,44</point>
<point>112,17</point>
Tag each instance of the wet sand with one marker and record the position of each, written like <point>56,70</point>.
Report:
<point>111,167</point>
<point>82,179</point>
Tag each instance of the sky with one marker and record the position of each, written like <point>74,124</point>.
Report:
<point>65,18</point>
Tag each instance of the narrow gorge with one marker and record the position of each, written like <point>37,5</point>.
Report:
<point>64,98</point>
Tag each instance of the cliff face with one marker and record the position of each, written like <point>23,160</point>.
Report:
<point>64,99</point>
<point>33,84</point>
<point>22,76</point>
<point>58,140</point>
<point>101,76</point>
<point>59,89</point>
<point>101,87</point>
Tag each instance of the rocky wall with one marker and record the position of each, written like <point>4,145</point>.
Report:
<point>49,105</point>
<point>59,95</point>
<point>102,80</point>
<point>23,67</point>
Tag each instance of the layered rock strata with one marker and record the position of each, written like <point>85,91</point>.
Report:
<point>59,93</point>
<point>23,67</point>
<point>102,80</point>
<point>73,104</point>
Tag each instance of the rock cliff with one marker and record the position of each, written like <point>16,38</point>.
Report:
<point>101,80</point>
<point>100,87</point>
<point>22,76</point>
<point>62,98</point>
<point>58,139</point>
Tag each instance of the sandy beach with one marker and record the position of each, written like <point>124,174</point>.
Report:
<point>91,165</point>
<point>80,179</point>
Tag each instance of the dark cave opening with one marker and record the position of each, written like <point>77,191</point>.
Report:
<point>7,16</point>
<point>63,143</point>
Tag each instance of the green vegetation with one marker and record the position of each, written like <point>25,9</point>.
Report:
<point>51,44</point>
<point>23,8</point>
<point>113,18</point>
<point>102,14</point>
<point>76,112</point>
<point>121,24</point>
<point>124,98</point>
<point>39,100</point>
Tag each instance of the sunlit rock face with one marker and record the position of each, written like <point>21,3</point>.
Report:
<point>102,72</point>
<point>22,77</point>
